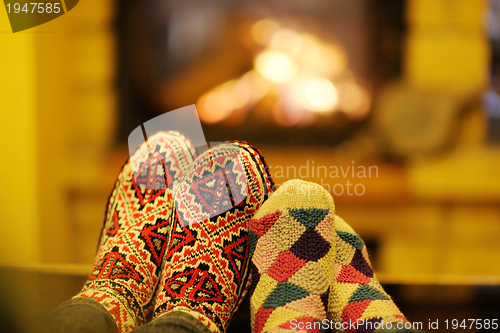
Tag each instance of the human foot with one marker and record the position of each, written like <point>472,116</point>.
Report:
<point>293,252</point>
<point>206,267</point>
<point>132,244</point>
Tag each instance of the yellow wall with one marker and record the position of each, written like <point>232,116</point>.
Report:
<point>57,109</point>
<point>446,44</point>
<point>19,187</point>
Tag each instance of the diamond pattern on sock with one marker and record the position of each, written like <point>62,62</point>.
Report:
<point>285,231</point>
<point>310,246</point>
<point>352,239</point>
<point>309,217</point>
<point>284,293</point>
<point>349,274</point>
<point>285,265</point>
<point>325,229</point>
<point>366,292</point>
<point>311,306</point>
<point>375,308</point>
<point>312,278</point>
<point>267,222</point>
<point>345,251</point>
<point>361,265</point>
<point>265,254</point>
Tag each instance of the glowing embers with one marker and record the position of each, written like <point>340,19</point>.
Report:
<point>309,78</point>
<point>275,66</point>
<point>234,95</point>
<point>316,94</point>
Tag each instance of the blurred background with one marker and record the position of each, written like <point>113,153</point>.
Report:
<point>391,105</point>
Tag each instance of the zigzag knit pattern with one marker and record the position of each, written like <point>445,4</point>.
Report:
<point>133,239</point>
<point>293,252</point>
<point>206,266</point>
<point>357,295</point>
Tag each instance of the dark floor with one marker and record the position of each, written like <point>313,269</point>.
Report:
<point>24,294</point>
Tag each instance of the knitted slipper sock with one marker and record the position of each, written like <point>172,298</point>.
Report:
<point>291,240</point>
<point>359,302</point>
<point>133,238</point>
<point>206,267</point>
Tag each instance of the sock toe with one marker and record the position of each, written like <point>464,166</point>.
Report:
<point>358,295</point>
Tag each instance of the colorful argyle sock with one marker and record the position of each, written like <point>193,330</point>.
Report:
<point>133,239</point>
<point>357,295</point>
<point>206,266</point>
<point>291,240</point>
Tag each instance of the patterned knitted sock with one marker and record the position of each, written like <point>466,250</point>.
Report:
<point>291,240</point>
<point>206,266</point>
<point>359,302</point>
<point>132,244</point>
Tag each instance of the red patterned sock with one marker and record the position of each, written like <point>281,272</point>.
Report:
<point>133,239</point>
<point>206,266</point>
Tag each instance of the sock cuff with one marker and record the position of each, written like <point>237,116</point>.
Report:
<point>117,304</point>
<point>207,322</point>
<point>174,321</point>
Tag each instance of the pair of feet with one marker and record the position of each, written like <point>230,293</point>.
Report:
<point>310,270</point>
<point>183,233</point>
<point>175,233</point>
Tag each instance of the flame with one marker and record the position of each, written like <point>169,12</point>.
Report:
<point>275,66</point>
<point>298,67</point>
